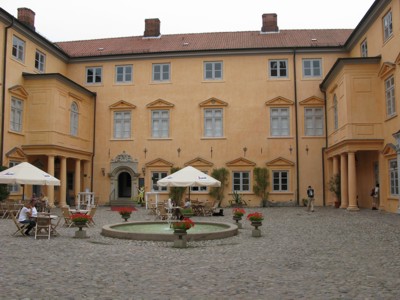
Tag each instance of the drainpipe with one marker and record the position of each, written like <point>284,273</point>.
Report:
<point>94,142</point>
<point>296,127</point>
<point>3,92</point>
<point>323,151</point>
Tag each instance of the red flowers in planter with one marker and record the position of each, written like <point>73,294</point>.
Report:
<point>186,224</point>
<point>80,218</point>
<point>238,212</point>
<point>255,217</point>
<point>124,211</point>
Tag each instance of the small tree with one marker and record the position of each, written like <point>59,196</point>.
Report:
<point>221,175</point>
<point>261,183</point>
<point>334,186</point>
<point>3,187</point>
<point>175,192</point>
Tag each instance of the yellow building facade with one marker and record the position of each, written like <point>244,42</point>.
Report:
<point>113,115</point>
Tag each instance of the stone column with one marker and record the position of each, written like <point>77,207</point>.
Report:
<point>77,181</point>
<point>50,188</point>
<point>352,182</point>
<point>63,179</point>
<point>335,172</point>
<point>343,181</point>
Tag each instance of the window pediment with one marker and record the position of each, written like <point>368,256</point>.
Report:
<point>199,162</point>
<point>312,101</point>
<point>122,104</point>
<point>397,61</point>
<point>19,91</point>
<point>159,162</point>
<point>386,68</point>
<point>389,150</point>
<point>279,101</point>
<point>280,162</point>
<point>16,153</point>
<point>160,103</point>
<point>213,102</point>
<point>242,162</point>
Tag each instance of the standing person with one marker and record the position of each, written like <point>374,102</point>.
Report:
<point>310,194</point>
<point>375,197</point>
<point>24,217</point>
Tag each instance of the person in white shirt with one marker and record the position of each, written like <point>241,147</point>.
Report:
<point>24,217</point>
<point>33,209</point>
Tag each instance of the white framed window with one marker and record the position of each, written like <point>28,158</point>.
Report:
<point>389,94</point>
<point>74,119</point>
<point>241,181</point>
<point>124,74</point>
<point>94,75</point>
<point>313,121</point>
<point>280,181</point>
<point>335,113</point>
<point>17,108</point>
<point>40,60</point>
<point>278,68</point>
<point>160,123</point>
<point>122,124</point>
<point>364,48</point>
<point>18,50</point>
<point>312,67</point>
<point>161,72</point>
<point>387,26</point>
<point>280,121</point>
<point>13,188</point>
<point>213,70</point>
<point>213,122</point>
<point>393,176</point>
<point>156,176</point>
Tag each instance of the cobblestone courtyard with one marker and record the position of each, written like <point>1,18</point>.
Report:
<point>328,254</point>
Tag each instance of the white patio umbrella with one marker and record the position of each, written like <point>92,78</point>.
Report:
<point>25,173</point>
<point>188,176</point>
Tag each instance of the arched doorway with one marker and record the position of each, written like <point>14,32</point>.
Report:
<point>124,185</point>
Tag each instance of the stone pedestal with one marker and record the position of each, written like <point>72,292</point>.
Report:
<point>180,243</point>
<point>256,233</point>
<point>238,224</point>
<point>80,234</point>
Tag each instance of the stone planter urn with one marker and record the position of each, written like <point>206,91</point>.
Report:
<point>256,232</point>
<point>237,219</point>
<point>80,233</point>
<point>126,217</point>
<point>180,242</point>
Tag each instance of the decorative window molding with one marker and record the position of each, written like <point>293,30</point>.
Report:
<point>241,162</point>
<point>312,101</point>
<point>386,69</point>
<point>213,102</point>
<point>279,101</point>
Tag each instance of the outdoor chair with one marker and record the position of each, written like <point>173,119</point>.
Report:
<point>162,213</point>
<point>208,209</point>
<point>43,226</point>
<point>55,225</point>
<point>67,217</point>
<point>92,212</point>
<point>20,227</point>
<point>3,210</point>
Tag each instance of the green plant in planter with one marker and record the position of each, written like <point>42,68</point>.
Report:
<point>334,187</point>
<point>218,193</point>
<point>261,183</point>
<point>237,200</point>
<point>186,212</point>
<point>176,193</point>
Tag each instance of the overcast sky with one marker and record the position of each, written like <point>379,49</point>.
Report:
<point>60,20</point>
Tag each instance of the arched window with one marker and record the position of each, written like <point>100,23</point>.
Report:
<point>74,119</point>
<point>335,112</point>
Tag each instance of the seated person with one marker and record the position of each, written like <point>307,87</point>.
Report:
<point>33,209</point>
<point>24,217</point>
<point>187,203</point>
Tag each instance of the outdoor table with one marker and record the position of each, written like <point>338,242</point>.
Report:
<point>78,211</point>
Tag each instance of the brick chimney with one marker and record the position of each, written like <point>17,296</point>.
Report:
<point>270,23</point>
<point>27,17</point>
<point>152,28</point>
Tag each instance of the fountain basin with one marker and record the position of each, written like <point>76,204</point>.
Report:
<point>160,231</point>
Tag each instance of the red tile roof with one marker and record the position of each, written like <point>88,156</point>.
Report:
<point>207,41</point>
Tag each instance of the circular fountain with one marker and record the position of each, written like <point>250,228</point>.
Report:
<point>162,231</point>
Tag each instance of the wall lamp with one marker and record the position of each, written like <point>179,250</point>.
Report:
<point>307,149</point>
<point>103,171</point>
